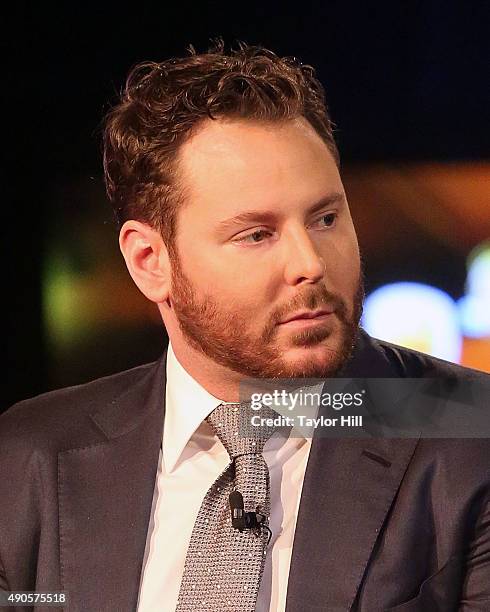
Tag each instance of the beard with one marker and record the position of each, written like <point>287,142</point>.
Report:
<point>220,331</point>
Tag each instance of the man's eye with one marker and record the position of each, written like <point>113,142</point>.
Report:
<point>254,237</point>
<point>328,220</point>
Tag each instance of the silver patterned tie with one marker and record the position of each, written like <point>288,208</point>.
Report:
<point>224,566</point>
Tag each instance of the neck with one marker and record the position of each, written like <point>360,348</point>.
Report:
<point>221,382</point>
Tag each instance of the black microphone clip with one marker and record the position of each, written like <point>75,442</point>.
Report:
<point>245,520</point>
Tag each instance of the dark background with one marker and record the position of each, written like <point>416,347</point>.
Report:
<point>405,81</point>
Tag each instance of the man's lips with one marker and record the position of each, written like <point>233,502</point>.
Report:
<point>306,315</point>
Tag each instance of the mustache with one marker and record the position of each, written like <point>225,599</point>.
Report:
<point>313,298</point>
<point>317,297</point>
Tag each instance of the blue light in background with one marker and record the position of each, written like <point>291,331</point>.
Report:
<point>417,316</point>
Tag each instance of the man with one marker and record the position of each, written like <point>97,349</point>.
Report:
<point>223,173</point>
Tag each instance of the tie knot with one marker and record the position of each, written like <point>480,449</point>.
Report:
<point>239,434</point>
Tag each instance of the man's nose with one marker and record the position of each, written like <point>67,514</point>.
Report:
<point>303,263</point>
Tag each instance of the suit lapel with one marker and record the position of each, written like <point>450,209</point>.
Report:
<point>346,496</point>
<point>347,492</point>
<point>105,495</point>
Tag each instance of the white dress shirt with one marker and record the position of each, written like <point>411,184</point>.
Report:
<point>192,458</point>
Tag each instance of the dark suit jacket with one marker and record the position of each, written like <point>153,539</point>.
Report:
<point>384,524</point>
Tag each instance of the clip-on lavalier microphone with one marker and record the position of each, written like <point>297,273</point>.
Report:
<point>245,520</point>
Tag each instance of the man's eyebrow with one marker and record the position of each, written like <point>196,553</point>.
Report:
<point>332,198</point>
<point>261,216</point>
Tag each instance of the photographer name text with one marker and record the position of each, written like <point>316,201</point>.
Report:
<point>301,420</point>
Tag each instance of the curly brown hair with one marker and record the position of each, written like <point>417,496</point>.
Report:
<point>163,103</point>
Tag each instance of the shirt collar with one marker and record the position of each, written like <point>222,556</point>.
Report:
<point>187,404</point>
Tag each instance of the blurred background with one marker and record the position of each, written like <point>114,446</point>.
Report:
<point>406,85</point>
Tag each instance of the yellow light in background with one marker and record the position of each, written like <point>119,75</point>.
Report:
<point>474,307</point>
<point>63,316</point>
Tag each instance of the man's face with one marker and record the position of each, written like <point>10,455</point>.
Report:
<point>265,234</point>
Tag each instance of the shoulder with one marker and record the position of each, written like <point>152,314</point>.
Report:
<point>462,460</point>
<point>58,417</point>
<point>375,358</point>
<point>414,364</point>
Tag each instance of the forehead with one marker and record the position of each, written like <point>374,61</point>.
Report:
<point>232,164</point>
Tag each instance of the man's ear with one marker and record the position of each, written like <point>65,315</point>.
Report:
<point>147,259</point>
